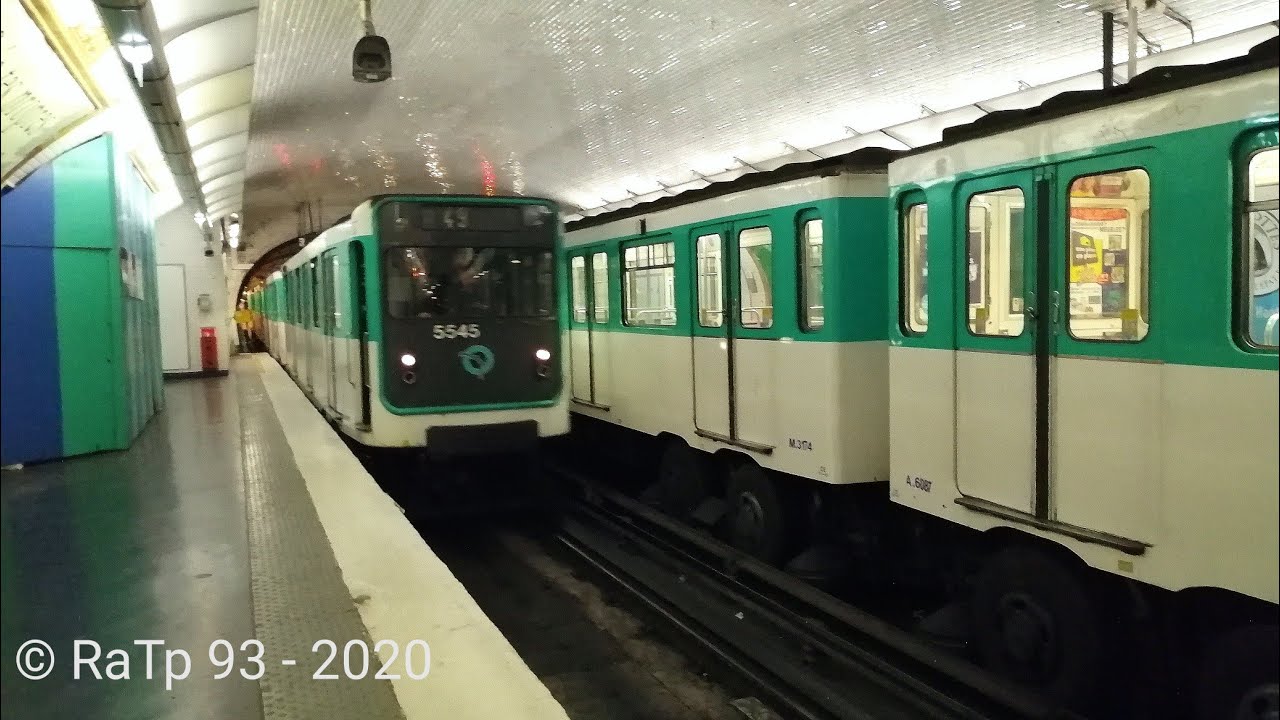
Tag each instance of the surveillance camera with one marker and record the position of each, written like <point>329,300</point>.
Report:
<point>371,59</point>
<point>208,251</point>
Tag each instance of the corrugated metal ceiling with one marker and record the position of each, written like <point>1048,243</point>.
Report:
<point>587,102</point>
<point>590,102</point>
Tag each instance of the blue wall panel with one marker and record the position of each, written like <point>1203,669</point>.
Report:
<point>30,387</point>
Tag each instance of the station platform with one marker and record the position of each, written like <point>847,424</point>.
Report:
<point>238,515</point>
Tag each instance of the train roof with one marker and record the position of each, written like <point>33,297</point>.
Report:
<point>871,159</point>
<point>1156,81</point>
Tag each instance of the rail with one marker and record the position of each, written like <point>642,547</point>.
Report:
<point>810,655</point>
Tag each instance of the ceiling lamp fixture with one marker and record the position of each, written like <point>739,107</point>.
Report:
<point>136,51</point>
<point>233,235</point>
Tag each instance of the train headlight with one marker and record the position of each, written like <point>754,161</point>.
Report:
<point>408,360</point>
<point>542,354</point>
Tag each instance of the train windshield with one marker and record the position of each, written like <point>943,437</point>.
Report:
<point>432,282</point>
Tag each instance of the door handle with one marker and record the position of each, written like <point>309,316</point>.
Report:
<point>1031,305</point>
<point>1057,307</point>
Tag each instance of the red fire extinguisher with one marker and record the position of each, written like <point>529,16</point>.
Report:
<point>208,348</point>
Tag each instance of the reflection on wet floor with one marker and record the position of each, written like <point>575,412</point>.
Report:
<point>122,546</point>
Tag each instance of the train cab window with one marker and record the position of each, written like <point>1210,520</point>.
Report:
<point>710,287</point>
<point>995,254</point>
<point>600,286</point>
<point>648,285</point>
<point>1107,266</point>
<point>755,277</point>
<point>578,287</point>
<point>447,281</point>
<point>1261,232</point>
<point>812,309</point>
<point>914,292</point>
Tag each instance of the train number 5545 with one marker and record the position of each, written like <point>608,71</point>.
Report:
<point>440,332</point>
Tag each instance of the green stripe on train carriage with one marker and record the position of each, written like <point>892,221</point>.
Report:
<point>1194,281</point>
<point>854,290</point>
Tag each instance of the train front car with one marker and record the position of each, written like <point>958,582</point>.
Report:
<point>467,328</point>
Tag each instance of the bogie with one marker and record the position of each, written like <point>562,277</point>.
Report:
<point>685,478</point>
<point>759,518</point>
<point>1237,678</point>
<point>1036,619</point>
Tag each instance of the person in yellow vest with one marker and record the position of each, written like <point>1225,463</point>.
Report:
<point>244,322</point>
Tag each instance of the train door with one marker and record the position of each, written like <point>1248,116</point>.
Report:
<point>589,346</point>
<point>1065,386</point>
<point>315,344</point>
<point>733,293</point>
<point>712,361</point>
<point>291,330</point>
<point>361,332</point>
<point>1105,376</point>
<point>332,320</point>
<point>307,282</point>
<point>996,338</point>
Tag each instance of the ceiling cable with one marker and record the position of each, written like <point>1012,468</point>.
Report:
<point>366,14</point>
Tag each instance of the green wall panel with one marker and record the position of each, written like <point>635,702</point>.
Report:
<point>88,330</point>
<point>105,295</point>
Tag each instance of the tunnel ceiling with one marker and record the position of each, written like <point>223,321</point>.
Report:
<point>590,102</point>
<point>64,84</point>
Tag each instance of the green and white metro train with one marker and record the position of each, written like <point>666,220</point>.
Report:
<point>1044,348</point>
<point>428,321</point>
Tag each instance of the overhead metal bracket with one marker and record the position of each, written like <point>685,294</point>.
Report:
<point>1164,9</point>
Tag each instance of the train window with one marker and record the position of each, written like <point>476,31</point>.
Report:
<point>995,253</point>
<point>1261,231</point>
<point>1107,263</point>
<point>648,285</point>
<point>600,286</point>
<point>812,309</point>
<point>915,269</point>
<point>710,285</point>
<point>755,277</point>
<point>464,281</point>
<point>578,287</point>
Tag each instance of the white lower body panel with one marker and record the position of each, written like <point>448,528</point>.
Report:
<point>819,406</point>
<point>1182,458</point>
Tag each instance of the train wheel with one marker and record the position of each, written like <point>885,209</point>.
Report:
<point>683,479</point>
<point>1037,623</point>
<point>1239,677</point>
<point>756,515</point>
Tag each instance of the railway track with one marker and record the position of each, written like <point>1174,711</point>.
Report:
<point>810,655</point>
